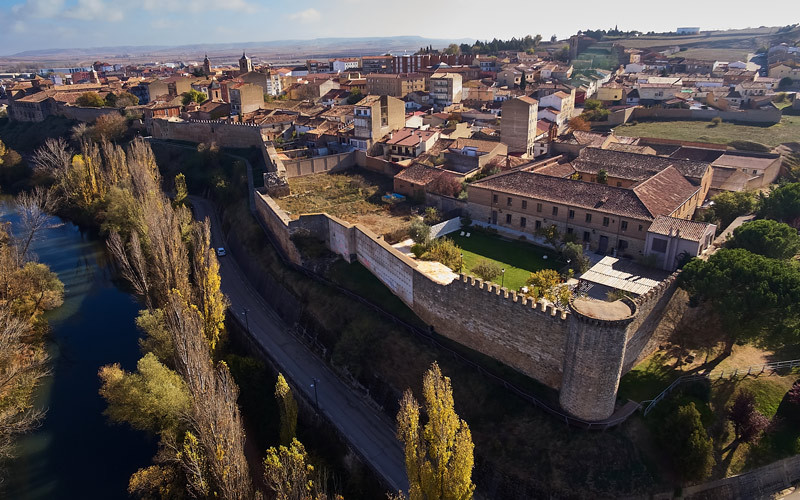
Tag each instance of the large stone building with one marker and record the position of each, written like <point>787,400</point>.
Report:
<point>602,216</point>
<point>375,117</point>
<point>518,124</point>
<point>395,85</point>
<point>376,64</point>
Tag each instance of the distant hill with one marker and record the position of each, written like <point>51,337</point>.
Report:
<point>275,49</point>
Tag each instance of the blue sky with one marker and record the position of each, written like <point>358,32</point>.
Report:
<point>40,24</point>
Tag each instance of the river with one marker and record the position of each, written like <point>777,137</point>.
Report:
<point>77,453</point>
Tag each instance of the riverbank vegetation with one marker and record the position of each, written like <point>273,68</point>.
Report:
<point>27,289</point>
<point>180,391</point>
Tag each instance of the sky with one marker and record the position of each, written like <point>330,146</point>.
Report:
<point>43,24</point>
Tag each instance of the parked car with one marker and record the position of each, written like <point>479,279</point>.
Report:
<point>221,252</point>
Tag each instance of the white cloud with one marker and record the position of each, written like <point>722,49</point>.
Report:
<point>38,8</point>
<point>306,16</point>
<point>198,6</point>
<point>94,10</point>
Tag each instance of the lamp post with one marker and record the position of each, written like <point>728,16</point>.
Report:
<point>316,396</point>
<point>461,263</point>
<point>503,277</point>
<point>246,321</point>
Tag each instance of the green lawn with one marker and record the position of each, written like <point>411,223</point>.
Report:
<point>519,259</point>
<point>788,130</point>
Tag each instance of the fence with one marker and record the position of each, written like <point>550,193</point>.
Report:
<point>773,368</point>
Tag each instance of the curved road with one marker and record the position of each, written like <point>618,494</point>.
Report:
<point>369,432</point>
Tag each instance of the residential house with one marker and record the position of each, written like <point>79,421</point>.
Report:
<point>470,155</point>
<point>781,71</point>
<point>395,85</point>
<point>345,64</point>
<point>751,90</point>
<point>408,143</point>
<point>376,64</point>
<point>375,117</point>
<point>509,78</point>
<point>445,88</point>
<point>672,240</point>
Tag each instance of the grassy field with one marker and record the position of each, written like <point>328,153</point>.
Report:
<point>519,259</point>
<point>715,54</point>
<point>354,196</point>
<point>788,130</point>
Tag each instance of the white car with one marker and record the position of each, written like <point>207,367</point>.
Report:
<point>221,252</point>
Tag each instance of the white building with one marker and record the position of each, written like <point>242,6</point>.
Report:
<point>671,240</point>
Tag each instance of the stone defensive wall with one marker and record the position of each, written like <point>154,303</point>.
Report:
<point>232,135</point>
<point>573,351</point>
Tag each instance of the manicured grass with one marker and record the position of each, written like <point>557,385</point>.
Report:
<point>519,259</point>
<point>788,130</point>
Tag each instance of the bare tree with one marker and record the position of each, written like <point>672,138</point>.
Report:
<point>132,264</point>
<point>53,157</point>
<point>34,209</point>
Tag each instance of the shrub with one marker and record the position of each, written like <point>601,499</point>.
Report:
<point>543,283</point>
<point>444,250</point>
<point>486,270</point>
<point>110,127</point>
<point>418,250</point>
<point>748,422</point>
<point>445,185</point>
<point>90,100</point>
<point>789,408</point>
<point>687,442</point>
<point>466,221</point>
<point>419,231</point>
<point>431,216</point>
<point>573,254</point>
<point>715,121</point>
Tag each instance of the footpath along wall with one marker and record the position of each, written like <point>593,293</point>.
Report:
<point>582,357</point>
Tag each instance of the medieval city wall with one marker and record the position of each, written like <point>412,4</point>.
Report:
<point>582,357</point>
<point>232,135</point>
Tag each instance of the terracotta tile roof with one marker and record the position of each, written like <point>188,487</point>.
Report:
<point>419,174</point>
<point>481,146</point>
<point>588,195</point>
<point>410,137</point>
<point>563,170</point>
<point>665,192</point>
<point>697,154</point>
<point>634,166</point>
<point>688,230</point>
<point>750,162</point>
<point>337,112</point>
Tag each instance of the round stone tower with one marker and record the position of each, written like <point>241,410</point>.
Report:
<point>595,352</point>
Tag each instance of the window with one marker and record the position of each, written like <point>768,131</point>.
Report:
<point>569,230</point>
<point>538,207</point>
<point>523,222</point>
<point>508,202</point>
<point>587,236</point>
<point>605,221</point>
<point>623,245</point>
<point>659,245</point>
<point>538,225</point>
<point>640,228</point>
<point>624,225</point>
<point>524,204</point>
<point>588,217</point>
<point>619,184</point>
<point>555,211</point>
<point>508,218</point>
<point>572,214</point>
<point>494,198</point>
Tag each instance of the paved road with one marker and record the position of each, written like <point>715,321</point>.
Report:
<point>368,431</point>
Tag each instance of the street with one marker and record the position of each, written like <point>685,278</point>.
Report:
<point>366,430</point>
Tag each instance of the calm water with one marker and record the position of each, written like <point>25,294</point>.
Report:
<point>77,453</point>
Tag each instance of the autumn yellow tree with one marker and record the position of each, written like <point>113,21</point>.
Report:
<point>439,456</point>
<point>209,297</point>
<point>288,409</point>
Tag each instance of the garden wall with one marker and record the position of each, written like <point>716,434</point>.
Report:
<point>307,166</point>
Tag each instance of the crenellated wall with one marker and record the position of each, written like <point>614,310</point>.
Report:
<point>581,356</point>
<point>232,135</point>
